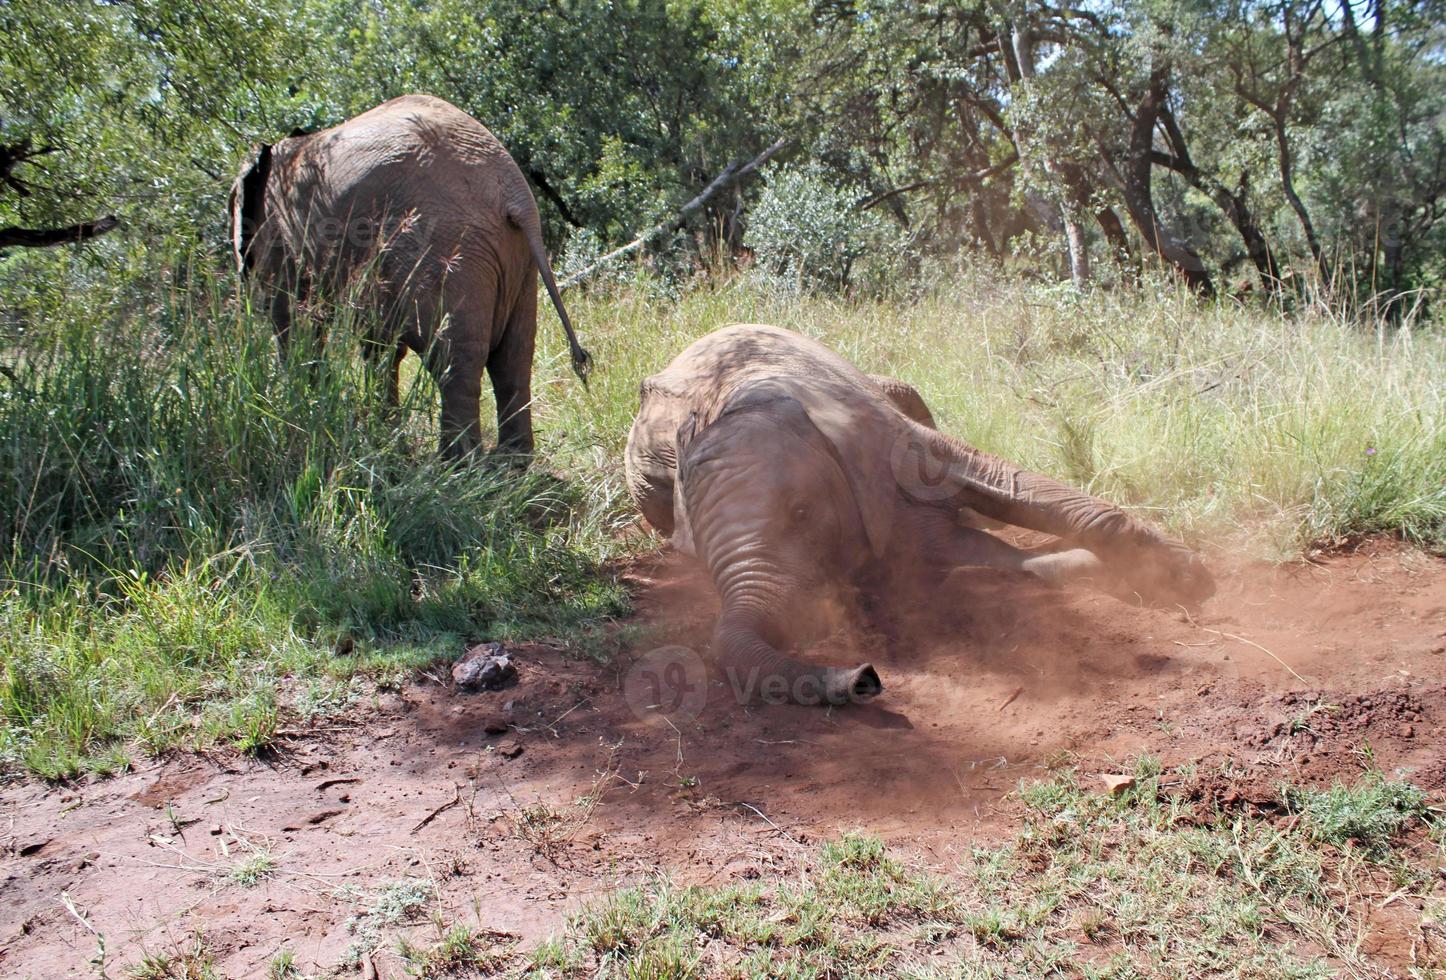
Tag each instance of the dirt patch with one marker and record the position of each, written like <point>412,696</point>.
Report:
<point>512,807</point>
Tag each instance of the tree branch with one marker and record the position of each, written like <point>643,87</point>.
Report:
<point>46,237</point>
<point>731,175</point>
<point>550,192</point>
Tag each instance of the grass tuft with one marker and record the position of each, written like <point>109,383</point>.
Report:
<point>1368,814</point>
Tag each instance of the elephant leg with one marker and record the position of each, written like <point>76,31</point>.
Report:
<point>392,394</point>
<point>457,369</point>
<point>963,546</point>
<point>509,367</point>
<point>281,319</point>
<point>386,360</point>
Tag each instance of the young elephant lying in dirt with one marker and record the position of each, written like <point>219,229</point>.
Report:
<point>789,472</point>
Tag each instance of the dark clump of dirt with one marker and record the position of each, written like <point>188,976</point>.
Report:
<point>1216,793</point>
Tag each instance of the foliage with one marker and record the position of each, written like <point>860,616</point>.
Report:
<point>805,230</point>
<point>1291,148</point>
<point>134,109</point>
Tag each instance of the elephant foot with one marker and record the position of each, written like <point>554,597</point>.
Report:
<point>510,457</point>
<point>1076,566</point>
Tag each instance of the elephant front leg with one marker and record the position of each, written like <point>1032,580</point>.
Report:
<point>385,361</point>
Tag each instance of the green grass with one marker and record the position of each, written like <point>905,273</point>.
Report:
<point>1091,885</point>
<point>188,960</point>
<point>1232,425</point>
<point>1367,815</point>
<point>190,532</point>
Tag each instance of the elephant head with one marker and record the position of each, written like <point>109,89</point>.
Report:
<point>780,502</point>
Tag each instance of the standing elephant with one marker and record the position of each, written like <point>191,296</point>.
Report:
<point>417,211</point>
<point>791,474</point>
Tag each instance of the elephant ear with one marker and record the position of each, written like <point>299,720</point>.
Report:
<point>858,432</point>
<point>682,527</point>
<point>248,195</point>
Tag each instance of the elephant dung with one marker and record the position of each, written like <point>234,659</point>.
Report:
<point>486,667</point>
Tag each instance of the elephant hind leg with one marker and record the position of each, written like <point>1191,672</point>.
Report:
<point>962,547</point>
<point>457,369</point>
<point>509,367</point>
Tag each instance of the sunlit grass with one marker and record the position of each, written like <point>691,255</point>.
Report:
<point>1236,427</point>
<point>191,532</point>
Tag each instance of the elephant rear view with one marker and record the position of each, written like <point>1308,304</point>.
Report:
<point>416,211</point>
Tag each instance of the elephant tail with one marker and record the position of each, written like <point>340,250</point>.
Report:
<point>525,218</point>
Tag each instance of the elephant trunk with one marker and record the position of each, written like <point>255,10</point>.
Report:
<point>1158,568</point>
<point>523,213</point>
<point>757,669</point>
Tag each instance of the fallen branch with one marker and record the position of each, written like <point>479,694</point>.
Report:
<point>731,175</point>
<point>456,799</point>
<point>46,237</point>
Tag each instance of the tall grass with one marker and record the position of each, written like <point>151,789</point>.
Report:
<point>186,523</point>
<point>1239,428</point>
<point>190,531</point>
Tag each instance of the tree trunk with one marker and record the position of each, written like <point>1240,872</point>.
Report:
<point>1071,207</point>
<point>1119,242</point>
<point>1235,204</point>
<point>1287,184</point>
<point>1139,197</point>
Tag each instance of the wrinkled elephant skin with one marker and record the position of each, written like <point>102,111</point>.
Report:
<point>414,211</point>
<point>791,474</point>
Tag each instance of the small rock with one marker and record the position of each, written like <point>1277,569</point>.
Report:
<point>495,724</point>
<point>216,830</point>
<point>1116,783</point>
<point>509,749</point>
<point>484,666</point>
<point>1408,731</point>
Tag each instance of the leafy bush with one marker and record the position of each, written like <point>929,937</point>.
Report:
<point>810,233</point>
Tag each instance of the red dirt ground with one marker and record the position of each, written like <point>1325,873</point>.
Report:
<point>1016,678</point>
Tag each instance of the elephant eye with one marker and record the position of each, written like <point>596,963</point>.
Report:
<point>799,512</point>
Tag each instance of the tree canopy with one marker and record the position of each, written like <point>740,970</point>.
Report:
<point>1266,146</point>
